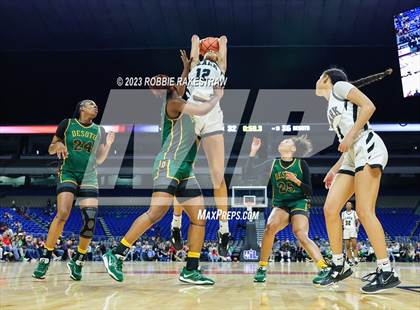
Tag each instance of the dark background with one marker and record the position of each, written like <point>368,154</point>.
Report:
<point>55,53</point>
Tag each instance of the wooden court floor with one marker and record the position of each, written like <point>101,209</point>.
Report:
<point>152,285</point>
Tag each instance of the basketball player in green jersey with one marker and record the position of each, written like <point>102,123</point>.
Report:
<point>173,178</point>
<point>81,145</point>
<point>290,180</point>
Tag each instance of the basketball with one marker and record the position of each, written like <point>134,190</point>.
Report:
<point>209,44</point>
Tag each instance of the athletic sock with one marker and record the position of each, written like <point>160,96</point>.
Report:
<point>176,221</point>
<point>223,227</point>
<point>384,264</point>
<point>338,259</point>
<point>263,265</point>
<point>193,259</point>
<point>122,248</point>
<point>47,253</point>
<point>80,254</point>
<point>321,264</point>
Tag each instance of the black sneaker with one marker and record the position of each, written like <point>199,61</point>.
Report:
<point>336,274</point>
<point>380,280</point>
<point>223,243</point>
<point>176,238</point>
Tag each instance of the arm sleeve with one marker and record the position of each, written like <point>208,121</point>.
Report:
<point>103,135</point>
<point>306,184</point>
<point>341,89</point>
<point>61,129</point>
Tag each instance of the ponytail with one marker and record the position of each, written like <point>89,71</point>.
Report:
<point>337,75</point>
<point>303,145</point>
<point>371,78</point>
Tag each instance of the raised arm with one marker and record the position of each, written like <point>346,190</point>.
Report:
<point>252,167</point>
<point>179,105</point>
<point>222,57</point>
<point>180,88</point>
<point>195,50</point>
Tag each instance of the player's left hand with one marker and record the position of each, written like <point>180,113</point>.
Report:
<point>346,143</point>
<point>292,177</point>
<point>110,137</point>
<point>185,60</point>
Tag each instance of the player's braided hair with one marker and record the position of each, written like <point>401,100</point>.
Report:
<point>80,104</point>
<point>303,146</point>
<point>337,75</point>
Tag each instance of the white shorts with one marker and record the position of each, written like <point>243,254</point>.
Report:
<point>349,234</point>
<point>369,149</point>
<point>210,124</point>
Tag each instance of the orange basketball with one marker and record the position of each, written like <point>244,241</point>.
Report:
<point>209,44</point>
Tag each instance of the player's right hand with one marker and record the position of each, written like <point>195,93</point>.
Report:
<point>329,178</point>
<point>61,151</point>
<point>218,91</point>
<point>256,144</point>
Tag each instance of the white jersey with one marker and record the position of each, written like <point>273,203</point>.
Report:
<point>349,219</point>
<point>342,113</point>
<point>201,80</point>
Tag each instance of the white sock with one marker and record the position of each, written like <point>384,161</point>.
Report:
<point>223,227</point>
<point>176,221</point>
<point>384,264</point>
<point>338,259</point>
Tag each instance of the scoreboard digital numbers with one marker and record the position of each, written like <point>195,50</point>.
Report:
<point>268,127</point>
<point>252,128</point>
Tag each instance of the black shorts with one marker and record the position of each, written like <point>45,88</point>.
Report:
<point>183,190</point>
<point>79,191</point>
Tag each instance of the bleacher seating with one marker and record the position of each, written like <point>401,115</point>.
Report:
<point>396,222</point>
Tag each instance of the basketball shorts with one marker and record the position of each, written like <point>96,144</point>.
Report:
<point>294,207</point>
<point>210,124</point>
<point>81,184</point>
<point>175,178</point>
<point>349,234</point>
<point>369,149</point>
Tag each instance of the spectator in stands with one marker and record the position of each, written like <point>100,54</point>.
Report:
<point>285,251</point>
<point>31,249</point>
<point>417,253</point>
<point>10,251</point>
<point>395,248</point>
<point>300,253</point>
<point>1,249</point>
<point>213,254</point>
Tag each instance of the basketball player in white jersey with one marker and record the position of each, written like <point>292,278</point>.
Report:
<point>210,129</point>
<point>358,171</point>
<point>350,229</point>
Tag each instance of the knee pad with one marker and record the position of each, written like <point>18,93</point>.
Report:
<point>89,221</point>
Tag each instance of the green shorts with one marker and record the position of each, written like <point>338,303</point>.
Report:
<point>176,178</point>
<point>294,207</point>
<point>79,183</point>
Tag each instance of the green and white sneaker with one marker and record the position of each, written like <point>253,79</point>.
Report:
<point>113,264</point>
<point>194,277</point>
<point>321,275</point>
<point>75,269</point>
<point>42,268</point>
<point>260,275</point>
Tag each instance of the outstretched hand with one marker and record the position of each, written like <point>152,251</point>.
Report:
<point>185,60</point>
